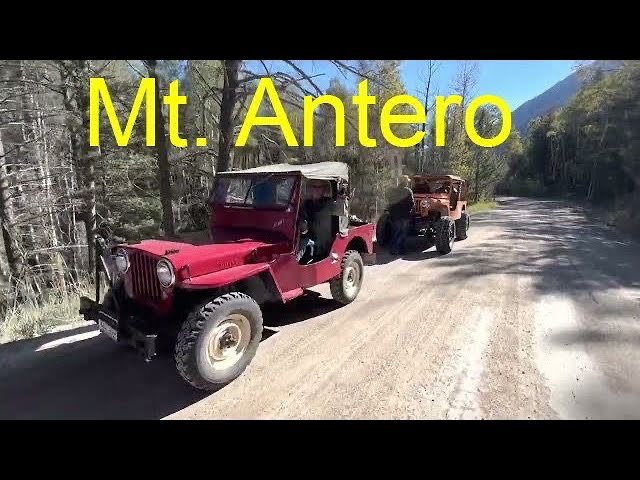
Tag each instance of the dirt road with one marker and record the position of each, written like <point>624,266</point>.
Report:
<point>535,315</point>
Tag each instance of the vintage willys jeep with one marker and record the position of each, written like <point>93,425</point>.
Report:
<point>202,301</point>
<point>439,211</point>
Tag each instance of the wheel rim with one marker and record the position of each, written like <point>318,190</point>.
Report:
<point>228,341</point>
<point>452,234</point>
<point>351,280</point>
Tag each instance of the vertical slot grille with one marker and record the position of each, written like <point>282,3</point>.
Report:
<point>143,276</point>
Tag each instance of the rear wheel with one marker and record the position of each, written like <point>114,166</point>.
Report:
<point>445,234</point>
<point>346,286</point>
<point>462,226</point>
<point>218,341</point>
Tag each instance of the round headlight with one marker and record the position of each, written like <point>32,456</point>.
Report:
<point>166,275</point>
<point>122,260</point>
<point>424,203</point>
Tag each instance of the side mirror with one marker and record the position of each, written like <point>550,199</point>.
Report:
<point>340,209</point>
<point>343,190</point>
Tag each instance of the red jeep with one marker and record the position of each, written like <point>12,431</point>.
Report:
<point>202,301</point>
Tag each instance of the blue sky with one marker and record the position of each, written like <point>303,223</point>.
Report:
<point>515,81</point>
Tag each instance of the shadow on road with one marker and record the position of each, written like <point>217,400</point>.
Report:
<point>563,255</point>
<point>79,374</point>
<point>92,378</point>
<point>553,242</point>
<point>303,308</point>
<point>418,249</point>
<point>587,336</point>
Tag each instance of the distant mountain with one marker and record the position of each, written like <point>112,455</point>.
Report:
<point>550,99</point>
<point>555,97</point>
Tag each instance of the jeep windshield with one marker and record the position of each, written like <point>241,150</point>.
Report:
<point>259,191</point>
<point>432,186</point>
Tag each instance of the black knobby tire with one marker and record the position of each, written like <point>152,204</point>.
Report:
<point>341,286</point>
<point>444,239</point>
<point>199,332</point>
<point>383,231</point>
<point>462,226</point>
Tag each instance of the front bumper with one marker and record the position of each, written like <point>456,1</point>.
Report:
<point>118,330</point>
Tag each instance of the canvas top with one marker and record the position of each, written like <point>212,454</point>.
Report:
<point>437,177</point>
<point>312,171</point>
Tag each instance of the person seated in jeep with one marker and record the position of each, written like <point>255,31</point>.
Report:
<point>315,224</point>
<point>444,188</point>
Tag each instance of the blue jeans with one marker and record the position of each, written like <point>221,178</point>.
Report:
<point>399,238</point>
<point>306,248</point>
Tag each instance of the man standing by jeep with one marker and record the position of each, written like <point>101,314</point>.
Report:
<point>400,208</point>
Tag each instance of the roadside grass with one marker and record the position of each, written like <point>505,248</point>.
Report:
<point>32,317</point>
<point>482,207</point>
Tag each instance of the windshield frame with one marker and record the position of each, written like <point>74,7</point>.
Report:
<point>418,187</point>
<point>255,179</point>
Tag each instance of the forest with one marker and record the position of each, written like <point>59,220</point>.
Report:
<point>57,192</point>
<point>588,150</point>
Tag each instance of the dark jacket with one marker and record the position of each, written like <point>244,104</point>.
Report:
<point>318,218</point>
<point>400,203</point>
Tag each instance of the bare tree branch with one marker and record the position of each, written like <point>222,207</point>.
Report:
<point>264,66</point>
<point>305,76</point>
<point>135,69</point>
<point>343,66</point>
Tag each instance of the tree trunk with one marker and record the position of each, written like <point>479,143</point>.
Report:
<point>553,158</point>
<point>72,236</point>
<point>30,144</point>
<point>423,144</point>
<point>594,167</point>
<point>6,217</point>
<point>477,180</point>
<point>75,75</point>
<point>229,99</point>
<point>162,152</point>
<point>47,185</point>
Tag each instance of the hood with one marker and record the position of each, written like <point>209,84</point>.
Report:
<point>432,196</point>
<point>437,201</point>
<point>194,260</point>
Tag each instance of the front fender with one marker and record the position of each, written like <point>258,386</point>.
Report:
<point>223,277</point>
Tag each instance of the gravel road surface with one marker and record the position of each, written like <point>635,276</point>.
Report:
<point>535,315</point>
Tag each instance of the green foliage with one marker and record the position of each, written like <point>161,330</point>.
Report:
<point>590,147</point>
<point>481,207</point>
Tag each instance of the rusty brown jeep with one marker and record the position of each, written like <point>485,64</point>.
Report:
<point>439,212</point>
